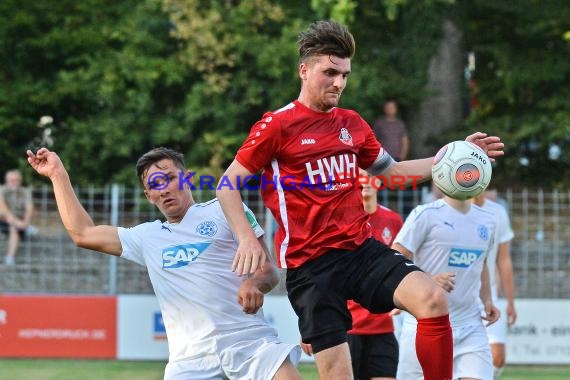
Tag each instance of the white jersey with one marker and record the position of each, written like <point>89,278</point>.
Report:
<point>504,233</point>
<point>189,265</point>
<point>443,239</point>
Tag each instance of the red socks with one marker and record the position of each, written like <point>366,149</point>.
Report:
<point>434,347</point>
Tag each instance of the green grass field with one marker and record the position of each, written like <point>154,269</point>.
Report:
<point>18,369</point>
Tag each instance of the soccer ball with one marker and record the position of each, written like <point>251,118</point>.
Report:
<point>461,170</point>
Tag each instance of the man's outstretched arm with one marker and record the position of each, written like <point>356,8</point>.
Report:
<point>77,222</point>
<point>250,254</point>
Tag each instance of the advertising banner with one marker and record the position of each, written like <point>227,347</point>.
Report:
<point>141,330</point>
<point>58,326</point>
<point>541,334</point>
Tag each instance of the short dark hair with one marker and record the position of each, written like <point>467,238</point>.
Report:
<point>326,38</point>
<point>155,155</point>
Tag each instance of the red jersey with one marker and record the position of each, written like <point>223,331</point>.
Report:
<point>310,164</point>
<point>385,226</point>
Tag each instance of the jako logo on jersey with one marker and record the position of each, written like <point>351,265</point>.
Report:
<point>345,137</point>
<point>207,228</point>
<point>338,167</point>
<point>181,255</point>
<point>463,258</point>
<point>308,141</point>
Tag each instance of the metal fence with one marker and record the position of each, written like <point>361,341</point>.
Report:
<point>48,262</point>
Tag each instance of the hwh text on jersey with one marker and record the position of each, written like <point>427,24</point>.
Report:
<point>181,255</point>
<point>463,258</point>
<point>342,166</point>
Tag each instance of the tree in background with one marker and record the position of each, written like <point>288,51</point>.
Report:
<point>117,78</point>
<point>523,83</point>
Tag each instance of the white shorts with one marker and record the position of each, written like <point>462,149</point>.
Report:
<point>247,354</point>
<point>471,353</point>
<point>497,332</point>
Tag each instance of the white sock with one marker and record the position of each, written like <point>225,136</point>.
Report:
<point>497,372</point>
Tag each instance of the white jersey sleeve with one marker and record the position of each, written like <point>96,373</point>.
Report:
<point>504,230</point>
<point>132,241</point>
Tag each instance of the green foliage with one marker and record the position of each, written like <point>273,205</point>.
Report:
<point>523,81</point>
<point>119,78</point>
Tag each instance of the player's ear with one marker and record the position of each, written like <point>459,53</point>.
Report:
<point>187,178</point>
<point>303,70</point>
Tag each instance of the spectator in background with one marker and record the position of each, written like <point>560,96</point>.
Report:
<point>16,210</point>
<point>392,132</point>
<point>501,280</point>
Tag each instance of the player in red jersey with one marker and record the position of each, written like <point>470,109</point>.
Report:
<point>310,152</point>
<point>373,346</point>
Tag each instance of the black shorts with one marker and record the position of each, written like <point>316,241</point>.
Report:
<point>318,289</point>
<point>373,355</point>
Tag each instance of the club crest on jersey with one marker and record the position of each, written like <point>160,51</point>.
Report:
<point>483,232</point>
<point>178,256</point>
<point>387,235</point>
<point>207,228</point>
<point>345,137</point>
<point>463,258</point>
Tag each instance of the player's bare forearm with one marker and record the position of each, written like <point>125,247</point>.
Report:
<point>231,201</point>
<point>414,171</point>
<point>485,291</point>
<point>250,254</point>
<point>505,268</point>
<point>75,219</point>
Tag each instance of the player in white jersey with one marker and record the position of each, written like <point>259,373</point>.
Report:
<point>449,239</point>
<point>213,318</point>
<point>501,278</point>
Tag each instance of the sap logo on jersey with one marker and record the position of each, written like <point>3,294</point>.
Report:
<point>181,255</point>
<point>463,258</point>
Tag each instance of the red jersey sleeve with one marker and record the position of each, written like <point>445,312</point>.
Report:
<point>260,147</point>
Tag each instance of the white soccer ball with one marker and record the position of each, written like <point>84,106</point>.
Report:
<point>461,170</point>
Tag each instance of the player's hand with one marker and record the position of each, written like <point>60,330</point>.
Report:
<point>249,257</point>
<point>492,314</point>
<point>44,162</point>
<point>307,348</point>
<point>511,314</point>
<point>492,145</point>
<point>446,280</point>
<point>250,297</point>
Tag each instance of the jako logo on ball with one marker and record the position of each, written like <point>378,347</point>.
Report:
<point>461,170</point>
